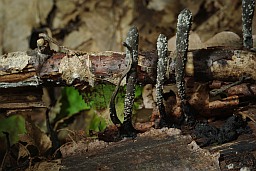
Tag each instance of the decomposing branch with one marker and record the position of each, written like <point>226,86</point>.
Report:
<point>21,69</point>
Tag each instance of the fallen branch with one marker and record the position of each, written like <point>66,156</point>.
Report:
<point>31,68</point>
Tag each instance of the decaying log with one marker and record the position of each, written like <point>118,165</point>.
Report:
<point>20,69</point>
<point>162,149</point>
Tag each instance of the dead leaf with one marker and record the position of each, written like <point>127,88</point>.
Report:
<point>199,98</point>
<point>241,90</point>
<point>248,112</point>
<point>194,42</point>
<point>225,38</point>
<point>23,152</point>
<point>36,137</point>
<point>53,165</point>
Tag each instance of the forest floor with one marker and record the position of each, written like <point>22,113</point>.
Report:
<point>102,26</point>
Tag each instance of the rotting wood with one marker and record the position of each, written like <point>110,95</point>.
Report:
<point>21,98</point>
<point>247,144</point>
<point>19,69</point>
<point>238,153</point>
<point>80,69</point>
<point>177,152</point>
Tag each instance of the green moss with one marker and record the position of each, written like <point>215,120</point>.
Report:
<point>97,123</point>
<point>73,101</point>
<point>96,100</point>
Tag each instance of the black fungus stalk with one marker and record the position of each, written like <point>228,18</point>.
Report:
<point>162,50</point>
<point>8,145</point>
<point>247,17</point>
<point>112,105</point>
<point>7,135</point>
<point>53,136</point>
<point>183,27</point>
<point>182,35</point>
<point>131,43</point>
<point>126,128</point>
